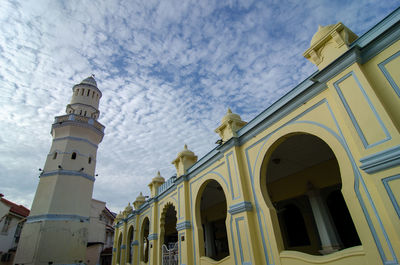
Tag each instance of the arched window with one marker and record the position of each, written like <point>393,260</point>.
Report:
<point>303,183</point>
<point>85,113</point>
<point>55,155</point>
<point>129,246</point>
<point>144,241</point>
<point>119,249</point>
<point>73,156</point>
<point>88,92</point>
<point>83,91</point>
<point>213,209</point>
<point>92,94</point>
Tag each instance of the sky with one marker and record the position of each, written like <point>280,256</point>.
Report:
<point>168,71</point>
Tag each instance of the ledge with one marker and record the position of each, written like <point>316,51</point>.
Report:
<point>382,160</point>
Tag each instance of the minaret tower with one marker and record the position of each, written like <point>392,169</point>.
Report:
<point>56,230</point>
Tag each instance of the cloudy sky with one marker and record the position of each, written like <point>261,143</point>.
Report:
<point>168,71</point>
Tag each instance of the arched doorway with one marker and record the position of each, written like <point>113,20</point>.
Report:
<point>303,184</point>
<point>169,236</point>
<point>213,209</point>
<point>119,249</point>
<point>129,253</point>
<point>144,241</point>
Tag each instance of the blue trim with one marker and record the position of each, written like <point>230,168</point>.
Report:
<point>123,247</point>
<point>240,207</point>
<point>68,173</point>
<point>152,236</point>
<point>237,220</point>
<point>386,73</point>
<point>114,249</point>
<point>183,225</point>
<point>73,138</point>
<point>382,160</point>
<point>180,249</point>
<point>230,177</point>
<point>378,29</point>
<point>56,217</point>
<point>390,192</point>
<point>135,243</point>
<point>179,203</point>
<point>233,240</point>
<point>351,115</point>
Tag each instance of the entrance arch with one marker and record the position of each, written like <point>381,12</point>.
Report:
<point>211,214</point>
<point>169,235</point>
<point>129,253</point>
<point>144,241</point>
<point>302,183</point>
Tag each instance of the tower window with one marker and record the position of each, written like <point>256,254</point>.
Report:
<point>88,92</point>
<point>89,160</point>
<point>80,113</point>
<point>83,91</point>
<point>73,156</point>
<point>93,94</point>
<point>55,155</point>
<point>85,113</point>
<point>76,92</point>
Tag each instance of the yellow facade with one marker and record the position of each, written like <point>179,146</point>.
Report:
<point>314,179</point>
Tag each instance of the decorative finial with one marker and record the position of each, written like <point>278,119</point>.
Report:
<point>185,147</point>
<point>141,194</point>
<point>229,111</point>
<point>93,75</point>
<point>158,173</point>
<point>320,27</point>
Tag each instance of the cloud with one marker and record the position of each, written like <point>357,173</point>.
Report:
<point>168,70</point>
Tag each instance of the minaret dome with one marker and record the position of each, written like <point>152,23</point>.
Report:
<point>85,99</point>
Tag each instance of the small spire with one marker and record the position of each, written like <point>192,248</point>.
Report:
<point>140,194</point>
<point>158,174</point>
<point>229,111</point>
<point>320,27</point>
<point>93,75</point>
<point>185,147</point>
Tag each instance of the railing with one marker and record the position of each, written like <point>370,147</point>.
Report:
<point>81,119</point>
<point>170,256</point>
<point>170,182</point>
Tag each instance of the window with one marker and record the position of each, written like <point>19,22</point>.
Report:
<point>83,91</point>
<point>89,160</point>
<point>73,156</point>
<point>6,225</point>
<point>18,232</point>
<point>88,92</point>
<point>55,155</point>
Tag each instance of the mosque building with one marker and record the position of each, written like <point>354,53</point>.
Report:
<point>313,179</point>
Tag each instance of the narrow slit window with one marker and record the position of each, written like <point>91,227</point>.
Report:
<point>85,113</point>
<point>89,160</point>
<point>88,92</point>
<point>55,155</point>
<point>76,92</point>
<point>73,156</point>
<point>93,94</point>
<point>83,91</point>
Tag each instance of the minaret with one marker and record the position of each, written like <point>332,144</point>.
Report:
<point>56,230</point>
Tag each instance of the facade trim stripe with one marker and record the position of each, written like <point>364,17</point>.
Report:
<point>382,160</point>
<point>240,207</point>
<point>73,138</point>
<point>390,192</point>
<point>56,217</point>
<point>69,173</point>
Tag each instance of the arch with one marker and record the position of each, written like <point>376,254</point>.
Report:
<point>119,248</point>
<point>300,166</point>
<point>129,252</point>
<point>144,241</point>
<point>168,231</point>
<point>211,218</point>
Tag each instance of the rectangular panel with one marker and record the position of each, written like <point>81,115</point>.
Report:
<point>243,240</point>
<point>391,69</point>
<point>233,176</point>
<point>363,114</point>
